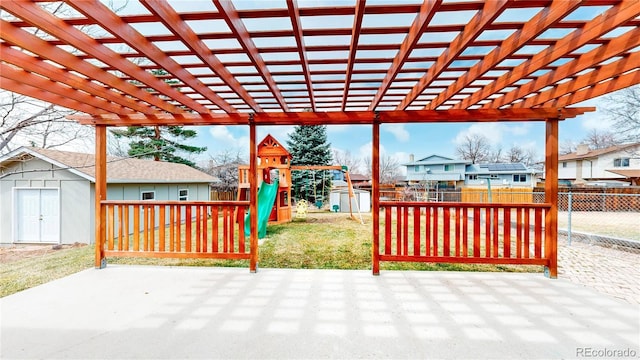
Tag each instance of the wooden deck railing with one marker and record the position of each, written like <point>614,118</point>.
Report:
<point>178,229</point>
<point>463,233</point>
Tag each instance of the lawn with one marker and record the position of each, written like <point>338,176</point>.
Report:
<point>321,241</point>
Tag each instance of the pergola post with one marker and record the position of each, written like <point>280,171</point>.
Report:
<point>100,194</point>
<point>551,197</point>
<point>253,198</point>
<point>375,196</point>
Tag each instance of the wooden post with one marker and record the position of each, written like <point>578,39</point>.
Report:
<point>375,196</point>
<point>100,194</point>
<point>253,197</point>
<point>551,197</point>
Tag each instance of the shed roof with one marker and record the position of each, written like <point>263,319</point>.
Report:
<point>119,169</point>
<point>187,61</point>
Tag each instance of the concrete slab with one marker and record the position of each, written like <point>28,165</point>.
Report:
<point>164,313</point>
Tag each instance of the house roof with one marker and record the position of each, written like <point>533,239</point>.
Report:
<point>595,153</point>
<point>119,169</point>
<point>359,177</point>
<point>633,173</point>
<point>499,168</point>
<point>437,159</point>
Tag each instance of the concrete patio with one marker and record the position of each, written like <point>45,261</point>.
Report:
<point>163,312</point>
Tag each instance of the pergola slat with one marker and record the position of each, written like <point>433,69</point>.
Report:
<point>599,89</point>
<point>101,15</point>
<point>592,78</point>
<point>592,58</point>
<point>353,48</point>
<point>30,64</point>
<point>40,47</point>
<point>491,10</point>
<point>611,19</point>
<point>294,14</point>
<point>40,18</point>
<point>426,13</point>
<point>20,87</point>
<point>172,21</point>
<point>236,25</point>
<point>534,27</point>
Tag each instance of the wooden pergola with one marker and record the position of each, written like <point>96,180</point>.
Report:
<point>216,63</point>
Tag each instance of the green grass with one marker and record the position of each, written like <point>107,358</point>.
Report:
<point>33,271</point>
<point>322,241</point>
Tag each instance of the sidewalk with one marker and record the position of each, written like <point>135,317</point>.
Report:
<point>162,312</point>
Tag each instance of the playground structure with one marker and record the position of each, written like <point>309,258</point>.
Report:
<point>274,182</point>
<point>483,69</point>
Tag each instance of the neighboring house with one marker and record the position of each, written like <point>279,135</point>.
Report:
<point>47,196</point>
<point>614,164</point>
<point>445,172</point>
<point>437,170</point>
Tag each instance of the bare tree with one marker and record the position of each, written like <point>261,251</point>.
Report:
<point>345,158</point>
<point>224,166</point>
<point>567,147</point>
<point>474,147</point>
<point>600,139</point>
<point>623,108</point>
<point>496,155</point>
<point>29,122</point>
<point>389,169</point>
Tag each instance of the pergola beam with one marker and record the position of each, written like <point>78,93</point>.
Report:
<point>615,84</point>
<point>231,17</point>
<point>531,29</point>
<point>484,17</point>
<point>427,12</point>
<point>111,22</point>
<point>609,20</point>
<point>338,118</point>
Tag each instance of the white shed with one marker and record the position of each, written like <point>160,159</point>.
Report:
<point>360,203</point>
<point>47,196</point>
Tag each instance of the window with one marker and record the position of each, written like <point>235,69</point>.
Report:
<point>564,164</point>
<point>449,167</point>
<point>416,168</point>
<point>621,162</point>
<point>148,195</point>
<point>183,194</point>
<point>519,178</point>
<point>473,177</point>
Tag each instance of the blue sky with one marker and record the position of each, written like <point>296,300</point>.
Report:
<point>400,140</point>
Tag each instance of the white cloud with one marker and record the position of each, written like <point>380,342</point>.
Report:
<point>494,131</point>
<point>224,137</point>
<point>401,134</point>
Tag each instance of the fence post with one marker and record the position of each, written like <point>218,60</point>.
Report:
<point>569,206</point>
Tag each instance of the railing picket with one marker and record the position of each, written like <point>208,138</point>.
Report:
<point>152,227</point>
<point>457,232</point>
<point>496,232</point>
<point>241,235</point>
<point>125,220</point>
<point>507,232</point>
<point>120,218</point>
<point>110,227</point>
<point>136,227</point>
<point>487,235</point>
<point>232,245</point>
<point>405,232</point>
<point>538,234</point>
<point>527,232</point>
<point>519,233</point>
<point>179,228</point>
<point>162,223</point>
<point>398,231</point>
<point>225,225</point>
<point>187,232</point>
<point>145,222</point>
<point>205,230</point>
<point>416,230</point>
<point>476,232</point>
<point>387,230</point>
<point>427,229</point>
<point>198,230</point>
<point>214,229</point>
<point>172,234</point>
<point>434,223</point>
<point>446,229</point>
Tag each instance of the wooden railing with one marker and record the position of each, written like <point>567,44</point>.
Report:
<point>463,233</point>
<point>179,229</point>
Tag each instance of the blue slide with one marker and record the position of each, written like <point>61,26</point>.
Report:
<point>266,197</point>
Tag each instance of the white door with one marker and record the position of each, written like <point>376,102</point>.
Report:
<point>37,215</point>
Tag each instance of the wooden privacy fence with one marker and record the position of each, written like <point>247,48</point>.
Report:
<point>499,195</point>
<point>464,233</point>
<point>178,229</point>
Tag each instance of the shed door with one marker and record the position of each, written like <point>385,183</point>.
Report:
<point>37,215</point>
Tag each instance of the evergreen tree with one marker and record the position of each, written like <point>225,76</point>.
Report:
<point>160,143</point>
<point>308,145</point>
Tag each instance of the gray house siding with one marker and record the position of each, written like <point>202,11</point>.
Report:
<point>76,197</point>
